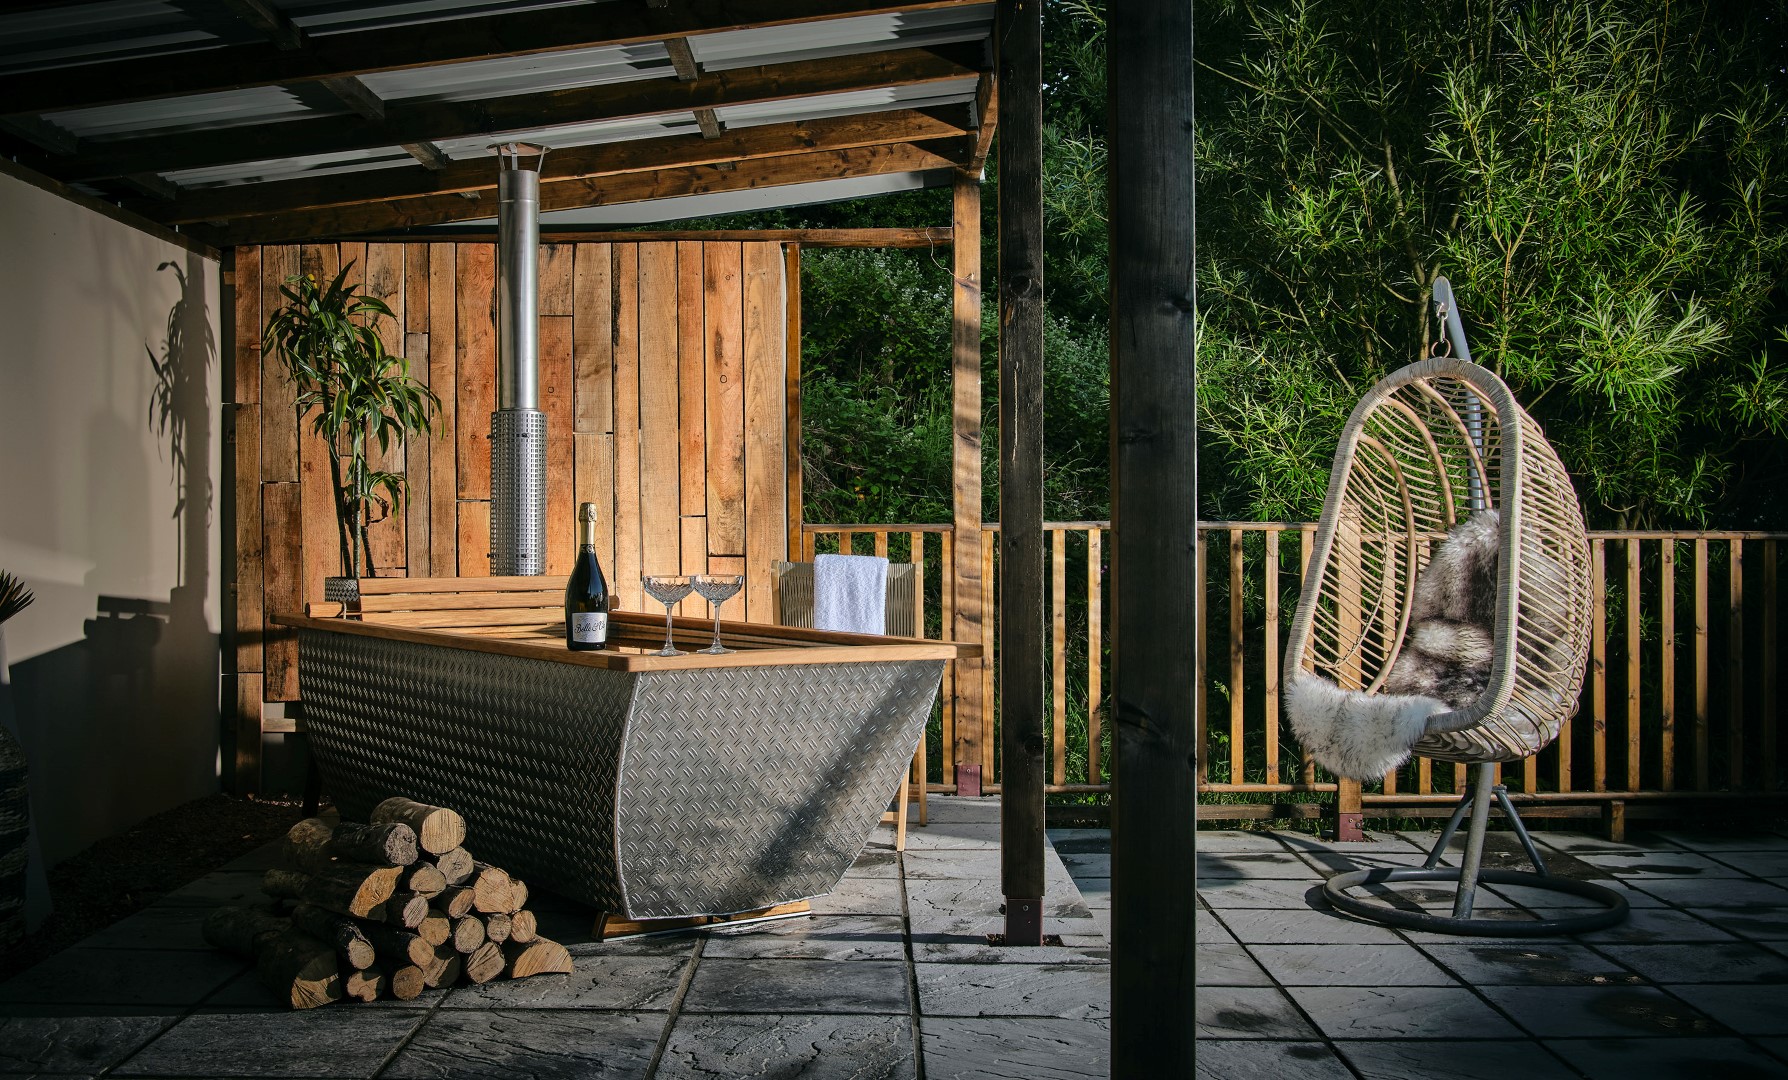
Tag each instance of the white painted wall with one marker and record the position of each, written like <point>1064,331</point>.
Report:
<point>118,714</point>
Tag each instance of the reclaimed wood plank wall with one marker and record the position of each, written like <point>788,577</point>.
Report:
<point>662,371</point>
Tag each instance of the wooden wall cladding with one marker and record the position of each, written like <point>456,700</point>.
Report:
<point>662,376</point>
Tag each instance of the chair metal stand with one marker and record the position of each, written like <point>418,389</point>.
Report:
<point>1471,872</point>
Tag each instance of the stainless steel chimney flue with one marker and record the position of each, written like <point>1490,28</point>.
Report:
<point>518,427</point>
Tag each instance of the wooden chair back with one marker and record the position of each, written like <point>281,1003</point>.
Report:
<point>794,597</point>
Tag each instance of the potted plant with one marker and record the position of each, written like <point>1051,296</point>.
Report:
<point>328,344</point>
<point>15,799</point>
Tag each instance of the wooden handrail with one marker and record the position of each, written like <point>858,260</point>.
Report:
<point>1691,708</point>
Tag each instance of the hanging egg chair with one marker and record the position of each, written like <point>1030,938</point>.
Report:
<point>1445,612</point>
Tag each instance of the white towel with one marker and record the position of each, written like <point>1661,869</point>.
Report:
<point>850,593</point>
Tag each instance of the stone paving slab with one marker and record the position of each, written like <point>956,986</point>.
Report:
<point>1350,965</point>
<point>159,926</point>
<point>75,1042</point>
<point>1764,864</point>
<point>1617,1011</point>
<point>1726,840</point>
<point>1760,922</point>
<point>1292,926</point>
<point>1748,1010</point>
<point>1541,962</point>
<point>1583,843</point>
<point>1682,865</point>
<point>1249,1059</point>
<point>1399,1012</point>
<point>1646,925</point>
<point>1667,1059</point>
<point>219,889</point>
<point>316,1042</point>
<point>1221,893</point>
<point>1215,840</point>
<point>1068,991</point>
<point>1228,965</point>
<point>620,982</point>
<point>1246,864</point>
<point>954,835</point>
<point>724,985</point>
<point>815,937</point>
<point>532,1043</point>
<point>1481,1059</point>
<point>1716,894</point>
<point>122,977</point>
<point>1015,1049</point>
<point>774,1047</point>
<point>1250,1012</point>
<point>862,896</point>
<point>1712,962</point>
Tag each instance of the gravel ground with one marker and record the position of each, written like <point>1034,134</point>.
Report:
<point>120,875</point>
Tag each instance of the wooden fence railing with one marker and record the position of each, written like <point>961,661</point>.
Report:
<point>1679,699</point>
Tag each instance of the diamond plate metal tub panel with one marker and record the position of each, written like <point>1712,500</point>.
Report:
<point>747,787</point>
<point>526,749</point>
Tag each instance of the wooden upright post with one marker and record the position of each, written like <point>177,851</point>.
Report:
<point>1018,33</point>
<point>965,569</point>
<point>1154,497</point>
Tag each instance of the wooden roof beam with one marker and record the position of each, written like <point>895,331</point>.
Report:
<point>435,121</point>
<point>576,163</point>
<point>399,214</point>
<point>400,48</point>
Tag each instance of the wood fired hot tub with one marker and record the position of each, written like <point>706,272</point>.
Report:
<point>651,786</point>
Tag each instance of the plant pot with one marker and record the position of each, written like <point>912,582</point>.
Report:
<point>344,591</point>
<point>15,834</point>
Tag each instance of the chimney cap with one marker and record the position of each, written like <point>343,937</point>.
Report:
<point>520,155</point>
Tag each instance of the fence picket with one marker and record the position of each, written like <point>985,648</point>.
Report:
<point>1253,730</point>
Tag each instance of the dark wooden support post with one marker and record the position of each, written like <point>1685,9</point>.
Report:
<point>1018,32</point>
<point>1154,497</point>
<point>965,453</point>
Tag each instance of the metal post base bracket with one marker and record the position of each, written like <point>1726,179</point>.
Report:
<point>1470,874</point>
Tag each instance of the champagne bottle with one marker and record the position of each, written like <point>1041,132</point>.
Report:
<point>586,594</point>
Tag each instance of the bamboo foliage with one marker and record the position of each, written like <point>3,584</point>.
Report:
<point>328,343</point>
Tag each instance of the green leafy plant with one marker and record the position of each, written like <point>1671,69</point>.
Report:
<point>327,341</point>
<point>14,597</point>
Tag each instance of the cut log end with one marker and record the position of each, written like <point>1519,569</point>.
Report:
<point>485,963</point>
<point>538,957</point>
<point>437,828</point>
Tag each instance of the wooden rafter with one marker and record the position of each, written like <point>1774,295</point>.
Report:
<point>670,183</point>
<point>579,163</point>
<point>436,121</point>
<point>398,48</point>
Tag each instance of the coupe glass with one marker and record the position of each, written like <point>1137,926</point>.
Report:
<point>667,589</point>
<point>716,589</point>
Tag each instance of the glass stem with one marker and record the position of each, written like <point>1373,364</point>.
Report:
<point>715,604</point>
<point>668,643</point>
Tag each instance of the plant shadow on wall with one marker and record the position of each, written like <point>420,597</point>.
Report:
<point>123,723</point>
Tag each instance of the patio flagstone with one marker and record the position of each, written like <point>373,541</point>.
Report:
<point>893,977</point>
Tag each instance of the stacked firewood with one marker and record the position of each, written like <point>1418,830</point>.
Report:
<point>385,909</point>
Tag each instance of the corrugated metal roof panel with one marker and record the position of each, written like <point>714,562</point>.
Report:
<point>538,73</point>
<point>338,16</point>
<point>113,30</point>
<point>161,116</point>
<point>839,37</point>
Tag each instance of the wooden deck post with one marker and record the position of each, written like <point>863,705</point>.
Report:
<point>965,550</point>
<point>1018,37</point>
<point>1155,594</point>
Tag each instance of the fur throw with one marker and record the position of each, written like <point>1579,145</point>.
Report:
<point>1444,664</point>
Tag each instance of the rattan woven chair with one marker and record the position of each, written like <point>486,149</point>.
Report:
<point>1426,448</point>
<point>794,607</point>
